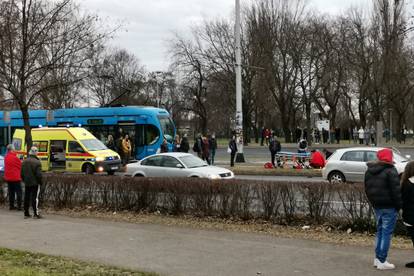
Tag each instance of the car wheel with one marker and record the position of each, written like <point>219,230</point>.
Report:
<point>138,175</point>
<point>89,169</point>
<point>336,177</point>
<point>111,172</point>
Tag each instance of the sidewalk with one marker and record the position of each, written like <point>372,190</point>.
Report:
<point>181,251</point>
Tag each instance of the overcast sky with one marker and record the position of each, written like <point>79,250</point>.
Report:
<point>148,24</point>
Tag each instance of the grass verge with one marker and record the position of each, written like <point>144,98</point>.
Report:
<point>22,263</point>
<point>322,233</point>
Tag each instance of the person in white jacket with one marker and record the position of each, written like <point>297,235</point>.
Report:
<point>361,135</point>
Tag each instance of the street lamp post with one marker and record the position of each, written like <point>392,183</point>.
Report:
<point>158,73</point>
<point>239,110</point>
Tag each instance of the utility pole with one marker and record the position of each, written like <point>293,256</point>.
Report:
<point>239,110</point>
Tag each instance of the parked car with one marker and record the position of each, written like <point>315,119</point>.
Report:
<point>176,164</point>
<point>1,165</point>
<point>349,164</point>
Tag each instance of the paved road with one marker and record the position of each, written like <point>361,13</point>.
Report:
<point>181,251</point>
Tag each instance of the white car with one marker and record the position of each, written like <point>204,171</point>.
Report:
<point>349,164</point>
<point>176,164</point>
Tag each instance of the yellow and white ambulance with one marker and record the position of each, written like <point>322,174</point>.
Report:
<point>72,149</point>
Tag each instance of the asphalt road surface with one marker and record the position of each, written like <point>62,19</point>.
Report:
<point>172,251</point>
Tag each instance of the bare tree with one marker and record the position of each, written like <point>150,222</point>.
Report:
<point>36,38</point>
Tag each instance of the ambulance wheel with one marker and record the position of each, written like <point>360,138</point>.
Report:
<point>89,169</point>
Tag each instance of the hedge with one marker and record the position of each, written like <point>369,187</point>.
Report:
<point>280,202</point>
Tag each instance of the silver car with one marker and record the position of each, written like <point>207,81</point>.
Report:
<point>349,164</point>
<point>176,164</point>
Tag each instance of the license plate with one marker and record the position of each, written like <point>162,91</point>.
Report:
<point>114,168</point>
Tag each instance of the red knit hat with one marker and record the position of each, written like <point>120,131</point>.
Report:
<point>385,155</point>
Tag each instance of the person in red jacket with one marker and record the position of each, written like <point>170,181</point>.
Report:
<point>12,175</point>
<point>317,161</point>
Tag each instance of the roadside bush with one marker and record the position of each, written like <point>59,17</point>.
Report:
<point>342,206</point>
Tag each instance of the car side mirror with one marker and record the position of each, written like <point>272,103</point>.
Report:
<point>180,166</point>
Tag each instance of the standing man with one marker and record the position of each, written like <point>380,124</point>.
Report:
<point>274,147</point>
<point>213,147</point>
<point>32,177</point>
<point>382,187</point>
<point>233,150</point>
<point>184,146</point>
<point>198,146</point>
<point>12,168</point>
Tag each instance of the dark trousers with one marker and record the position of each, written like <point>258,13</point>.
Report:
<point>410,230</point>
<point>232,155</point>
<point>31,197</point>
<point>15,190</point>
<point>273,157</point>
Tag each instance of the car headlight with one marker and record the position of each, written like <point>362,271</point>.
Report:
<point>214,176</point>
<point>99,159</point>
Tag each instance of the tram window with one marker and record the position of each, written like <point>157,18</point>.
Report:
<point>151,134</point>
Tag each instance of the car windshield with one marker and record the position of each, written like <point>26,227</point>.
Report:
<point>93,144</point>
<point>190,161</point>
<point>398,158</point>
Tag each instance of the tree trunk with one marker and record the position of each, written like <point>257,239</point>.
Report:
<point>309,123</point>
<point>28,134</point>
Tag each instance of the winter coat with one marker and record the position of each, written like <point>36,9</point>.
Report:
<point>205,146</point>
<point>111,145</point>
<point>163,148</point>
<point>274,145</point>
<point>382,186</point>
<point>361,133</point>
<point>407,191</point>
<point>213,144</point>
<point>184,146</point>
<point>31,171</point>
<point>233,146</point>
<point>12,167</point>
<point>126,147</point>
<point>317,160</point>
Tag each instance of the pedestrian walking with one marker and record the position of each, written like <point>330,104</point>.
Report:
<point>382,187</point>
<point>373,133</point>
<point>205,146</point>
<point>361,135</point>
<point>184,145</point>
<point>338,135</point>
<point>12,169</point>
<point>198,146</point>
<point>126,149</point>
<point>110,143</point>
<point>32,178</point>
<point>274,147</point>
<point>267,136</point>
<point>407,191</point>
<point>213,148</point>
<point>232,150</point>
<point>367,136</point>
<point>177,143</point>
<point>164,146</point>
<point>355,135</point>
<point>262,136</point>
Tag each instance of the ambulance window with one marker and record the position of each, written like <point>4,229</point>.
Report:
<point>17,143</point>
<point>75,147</point>
<point>41,145</point>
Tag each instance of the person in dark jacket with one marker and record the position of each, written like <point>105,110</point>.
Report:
<point>32,178</point>
<point>213,147</point>
<point>110,143</point>
<point>198,146</point>
<point>233,150</point>
<point>12,168</point>
<point>184,146</point>
<point>274,147</point>
<point>164,146</point>
<point>407,191</point>
<point>382,187</point>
